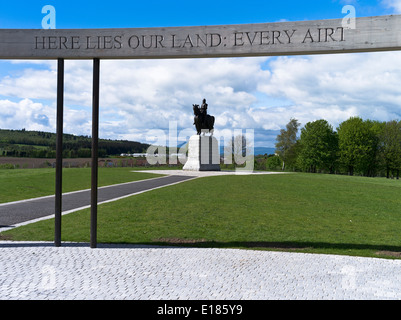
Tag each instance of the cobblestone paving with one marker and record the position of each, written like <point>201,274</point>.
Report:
<point>38,270</point>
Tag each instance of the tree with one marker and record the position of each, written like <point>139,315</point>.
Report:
<point>374,164</point>
<point>318,146</point>
<point>357,145</point>
<point>390,147</point>
<point>273,163</point>
<point>286,142</point>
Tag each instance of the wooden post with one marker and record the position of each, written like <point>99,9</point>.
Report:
<point>95,143</point>
<point>59,152</point>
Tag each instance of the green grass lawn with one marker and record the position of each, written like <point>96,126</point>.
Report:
<point>297,212</point>
<point>19,184</point>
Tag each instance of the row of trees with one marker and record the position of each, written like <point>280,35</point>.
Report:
<point>38,144</point>
<point>362,147</point>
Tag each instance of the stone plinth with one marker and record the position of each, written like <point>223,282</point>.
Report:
<point>203,154</point>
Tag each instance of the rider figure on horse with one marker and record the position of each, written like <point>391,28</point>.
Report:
<point>203,111</point>
<point>202,120</point>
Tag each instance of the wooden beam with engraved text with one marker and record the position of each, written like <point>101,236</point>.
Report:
<point>382,33</point>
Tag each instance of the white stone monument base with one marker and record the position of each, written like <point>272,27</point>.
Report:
<point>203,154</point>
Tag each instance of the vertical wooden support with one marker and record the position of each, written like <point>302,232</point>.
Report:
<point>95,143</point>
<point>59,152</point>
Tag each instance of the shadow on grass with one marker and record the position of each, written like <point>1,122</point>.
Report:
<point>280,245</point>
<point>305,247</point>
<point>363,250</point>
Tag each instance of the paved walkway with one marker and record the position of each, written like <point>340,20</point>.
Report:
<point>200,174</point>
<point>74,271</point>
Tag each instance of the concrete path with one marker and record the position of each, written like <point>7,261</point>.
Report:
<point>201,174</point>
<point>76,272</point>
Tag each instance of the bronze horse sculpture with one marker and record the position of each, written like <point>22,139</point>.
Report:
<point>202,122</point>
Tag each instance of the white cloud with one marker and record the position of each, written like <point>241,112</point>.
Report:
<point>31,84</point>
<point>337,86</point>
<point>140,94</point>
<point>393,4</point>
<point>149,94</point>
<point>25,114</point>
<point>255,93</point>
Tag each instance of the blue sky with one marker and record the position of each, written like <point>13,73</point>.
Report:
<point>150,13</point>
<point>139,97</point>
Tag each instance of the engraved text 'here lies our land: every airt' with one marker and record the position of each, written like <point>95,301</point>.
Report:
<point>264,39</point>
<point>196,40</point>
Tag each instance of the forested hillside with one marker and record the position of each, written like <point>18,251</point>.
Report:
<point>37,144</point>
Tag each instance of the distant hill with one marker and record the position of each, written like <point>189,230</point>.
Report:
<point>257,151</point>
<point>38,144</point>
<point>263,150</point>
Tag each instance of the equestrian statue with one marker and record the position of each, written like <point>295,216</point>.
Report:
<point>202,121</point>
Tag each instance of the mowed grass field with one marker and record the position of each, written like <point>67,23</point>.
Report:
<point>293,212</point>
